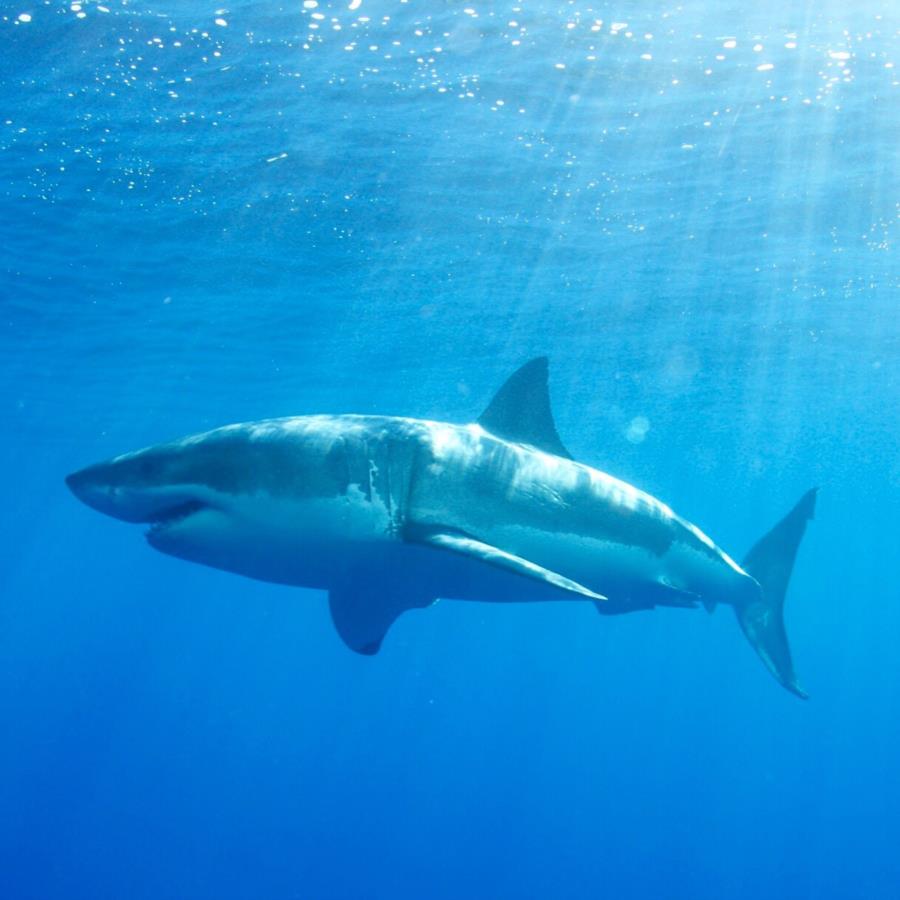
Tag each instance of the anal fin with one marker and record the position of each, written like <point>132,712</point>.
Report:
<point>671,594</point>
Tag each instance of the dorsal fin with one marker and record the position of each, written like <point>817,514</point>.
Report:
<point>520,410</point>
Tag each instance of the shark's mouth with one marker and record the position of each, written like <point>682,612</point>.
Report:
<point>171,515</point>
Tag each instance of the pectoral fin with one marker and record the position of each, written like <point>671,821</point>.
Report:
<point>362,612</point>
<point>494,556</point>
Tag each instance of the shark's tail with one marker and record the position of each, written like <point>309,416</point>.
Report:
<point>770,562</point>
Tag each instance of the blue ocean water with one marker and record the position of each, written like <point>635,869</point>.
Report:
<point>216,214</point>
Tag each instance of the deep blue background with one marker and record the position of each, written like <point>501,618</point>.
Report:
<point>291,226</point>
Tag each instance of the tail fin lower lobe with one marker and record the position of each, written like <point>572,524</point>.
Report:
<point>770,562</point>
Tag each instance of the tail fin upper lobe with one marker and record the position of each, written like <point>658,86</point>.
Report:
<point>770,562</point>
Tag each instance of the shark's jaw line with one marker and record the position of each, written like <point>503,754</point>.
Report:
<point>175,514</point>
<point>389,513</point>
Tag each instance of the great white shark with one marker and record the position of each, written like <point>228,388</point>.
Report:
<point>389,513</point>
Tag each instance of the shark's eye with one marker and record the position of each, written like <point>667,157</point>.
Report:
<point>147,467</point>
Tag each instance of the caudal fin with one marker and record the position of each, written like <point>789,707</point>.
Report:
<point>770,562</point>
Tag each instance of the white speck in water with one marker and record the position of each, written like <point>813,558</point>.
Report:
<point>765,67</point>
<point>310,4</point>
<point>355,4</point>
<point>757,48</point>
<point>730,44</point>
<point>637,429</point>
<point>24,17</point>
<point>560,65</point>
<point>839,54</point>
<point>221,23</point>
<point>272,159</point>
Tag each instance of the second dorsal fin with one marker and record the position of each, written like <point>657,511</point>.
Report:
<point>520,410</point>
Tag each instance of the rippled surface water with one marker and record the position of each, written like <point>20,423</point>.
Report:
<point>216,214</point>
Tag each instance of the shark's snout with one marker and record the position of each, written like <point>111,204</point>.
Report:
<point>93,487</point>
<point>73,482</point>
<point>112,488</point>
<point>81,482</point>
